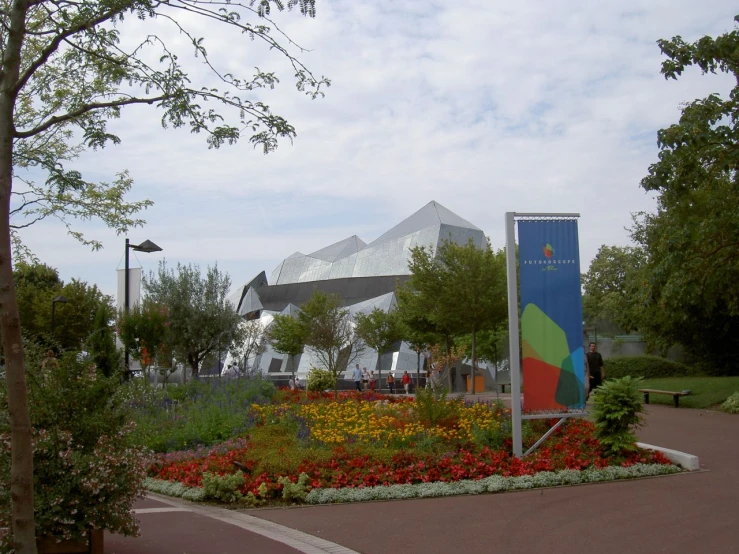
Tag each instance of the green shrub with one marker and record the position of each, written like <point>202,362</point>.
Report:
<point>617,412</point>
<point>433,406</point>
<point>732,404</point>
<point>295,491</point>
<point>321,379</point>
<point>648,367</point>
<point>88,469</point>
<point>223,487</point>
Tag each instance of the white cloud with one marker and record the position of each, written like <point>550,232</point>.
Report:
<point>486,108</point>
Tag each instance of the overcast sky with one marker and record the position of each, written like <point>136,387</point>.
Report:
<point>485,107</point>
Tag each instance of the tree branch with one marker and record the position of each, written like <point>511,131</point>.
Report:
<point>86,109</point>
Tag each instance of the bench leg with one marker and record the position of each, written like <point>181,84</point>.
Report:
<point>677,401</point>
<point>646,398</point>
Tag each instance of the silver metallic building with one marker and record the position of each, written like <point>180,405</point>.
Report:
<point>363,275</point>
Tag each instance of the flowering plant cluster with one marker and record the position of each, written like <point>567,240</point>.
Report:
<point>343,431</point>
<point>88,469</point>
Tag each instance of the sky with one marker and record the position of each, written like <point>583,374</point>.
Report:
<point>485,107</point>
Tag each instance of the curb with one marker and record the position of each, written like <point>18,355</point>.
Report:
<point>308,544</point>
<point>684,460</point>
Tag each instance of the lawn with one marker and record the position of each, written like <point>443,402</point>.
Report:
<point>706,392</point>
<point>296,443</point>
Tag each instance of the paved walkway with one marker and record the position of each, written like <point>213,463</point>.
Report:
<point>688,513</point>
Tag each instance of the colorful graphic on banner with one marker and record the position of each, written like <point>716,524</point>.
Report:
<point>551,323</point>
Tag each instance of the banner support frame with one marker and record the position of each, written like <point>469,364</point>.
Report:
<point>514,340</point>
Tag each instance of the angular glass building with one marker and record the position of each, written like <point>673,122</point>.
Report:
<point>363,275</point>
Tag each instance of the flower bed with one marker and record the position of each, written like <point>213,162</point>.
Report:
<point>313,443</point>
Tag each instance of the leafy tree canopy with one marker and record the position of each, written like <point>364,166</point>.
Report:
<point>201,319</point>
<point>692,241</point>
<point>611,287</point>
<point>74,321</point>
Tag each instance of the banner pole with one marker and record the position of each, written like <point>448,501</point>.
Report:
<point>513,338</point>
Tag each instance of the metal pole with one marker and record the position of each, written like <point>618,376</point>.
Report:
<point>125,309</point>
<point>515,365</point>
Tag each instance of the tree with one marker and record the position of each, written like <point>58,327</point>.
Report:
<point>248,343</point>
<point>68,67</point>
<point>288,336</point>
<point>145,332</point>
<point>690,294</point>
<point>462,289</point>
<point>611,286</point>
<point>201,319</point>
<point>37,285</point>
<point>329,333</point>
<point>379,330</point>
<point>101,343</point>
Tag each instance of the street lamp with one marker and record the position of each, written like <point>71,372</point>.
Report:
<point>61,298</point>
<point>148,247</point>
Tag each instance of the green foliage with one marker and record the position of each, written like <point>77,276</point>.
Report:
<point>611,285</point>
<point>201,319</point>
<point>36,287</point>
<point>705,392</point>
<point>691,295</point>
<point>646,366</point>
<point>493,436</point>
<point>433,406</point>
<point>144,330</point>
<point>199,413</point>
<point>459,289</point>
<point>732,404</point>
<point>329,332</point>
<point>287,334</point>
<point>223,487</point>
<point>320,379</point>
<point>617,412</point>
<point>295,491</point>
<point>101,343</point>
<point>88,469</point>
<point>379,330</point>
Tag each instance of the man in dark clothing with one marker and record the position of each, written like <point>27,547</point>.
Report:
<point>595,363</point>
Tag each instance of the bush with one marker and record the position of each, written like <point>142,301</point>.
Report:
<point>732,404</point>
<point>223,487</point>
<point>321,379</point>
<point>648,367</point>
<point>617,412</point>
<point>88,469</point>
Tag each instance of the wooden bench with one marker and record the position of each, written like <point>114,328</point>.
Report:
<point>675,395</point>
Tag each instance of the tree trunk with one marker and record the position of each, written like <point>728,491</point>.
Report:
<point>194,366</point>
<point>474,357</point>
<point>23,526</point>
<point>418,369</point>
<point>379,371</point>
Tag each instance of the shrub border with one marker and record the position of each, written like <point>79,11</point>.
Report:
<point>492,484</point>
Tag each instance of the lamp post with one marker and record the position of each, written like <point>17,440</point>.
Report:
<point>148,247</point>
<point>61,298</point>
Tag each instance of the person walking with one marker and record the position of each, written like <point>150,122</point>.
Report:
<point>391,383</point>
<point>595,365</point>
<point>357,377</point>
<point>365,378</point>
<point>406,380</point>
<point>372,380</point>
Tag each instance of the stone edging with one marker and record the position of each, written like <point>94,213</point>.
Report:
<point>685,461</point>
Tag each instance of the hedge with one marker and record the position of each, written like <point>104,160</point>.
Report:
<point>649,367</point>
